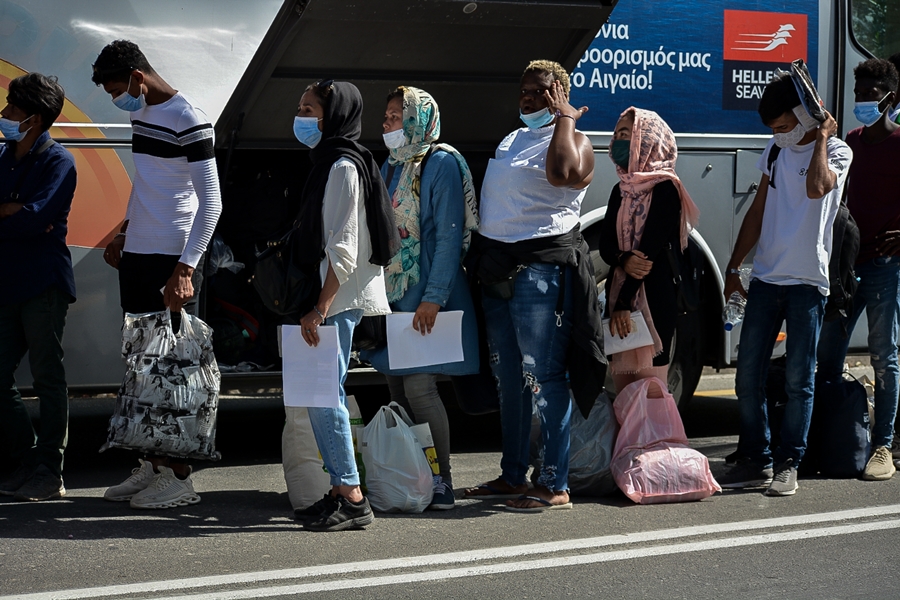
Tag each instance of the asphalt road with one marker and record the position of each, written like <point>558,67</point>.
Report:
<point>833,539</point>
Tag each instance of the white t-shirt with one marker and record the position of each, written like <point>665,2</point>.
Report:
<point>795,241</point>
<point>517,201</point>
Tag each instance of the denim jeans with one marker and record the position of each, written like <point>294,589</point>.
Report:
<point>418,394</point>
<point>35,326</point>
<point>879,294</point>
<point>528,345</point>
<point>803,307</point>
<point>331,426</point>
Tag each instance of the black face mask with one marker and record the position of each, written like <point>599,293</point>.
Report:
<point>619,152</point>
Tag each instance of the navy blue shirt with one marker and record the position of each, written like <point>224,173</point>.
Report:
<point>32,259</point>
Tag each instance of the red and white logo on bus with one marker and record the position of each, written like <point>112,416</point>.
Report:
<point>764,36</point>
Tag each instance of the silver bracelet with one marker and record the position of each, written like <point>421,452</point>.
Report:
<point>733,272</point>
<point>316,308</point>
<point>120,234</point>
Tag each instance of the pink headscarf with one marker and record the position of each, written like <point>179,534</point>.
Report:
<point>650,162</point>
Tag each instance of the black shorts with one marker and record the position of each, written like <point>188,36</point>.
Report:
<point>142,276</point>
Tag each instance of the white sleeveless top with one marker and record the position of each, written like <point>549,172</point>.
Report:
<point>517,201</point>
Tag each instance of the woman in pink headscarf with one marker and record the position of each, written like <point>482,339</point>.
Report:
<point>648,211</point>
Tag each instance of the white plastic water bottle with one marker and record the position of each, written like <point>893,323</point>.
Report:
<point>734,308</point>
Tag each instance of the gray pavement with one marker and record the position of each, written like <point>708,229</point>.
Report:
<point>833,539</point>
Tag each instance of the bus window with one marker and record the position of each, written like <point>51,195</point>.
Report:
<point>875,25</point>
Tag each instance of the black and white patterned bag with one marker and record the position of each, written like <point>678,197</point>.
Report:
<point>168,401</point>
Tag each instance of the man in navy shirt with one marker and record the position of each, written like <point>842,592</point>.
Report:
<point>37,183</point>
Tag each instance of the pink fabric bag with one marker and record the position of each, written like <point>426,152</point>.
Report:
<point>652,462</point>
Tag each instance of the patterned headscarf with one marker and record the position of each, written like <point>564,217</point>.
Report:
<point>422,128</point>
<point>651,161</point>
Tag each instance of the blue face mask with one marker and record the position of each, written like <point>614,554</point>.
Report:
<point>10,129</point>
<point>536,120</point>
<point>127,102</point>
<point>306,130</point>
<point>868,113</point>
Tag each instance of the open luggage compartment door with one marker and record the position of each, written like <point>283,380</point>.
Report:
<point>468,55</point>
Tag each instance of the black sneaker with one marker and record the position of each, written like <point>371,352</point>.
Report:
<point>784,483</point>
<point>43,485</point>
<point>343,515</point>
<point>745,474</point>
<point>316,509</point>
<point>733,458</point>
<point>895,447</point>
<point>11,484</point>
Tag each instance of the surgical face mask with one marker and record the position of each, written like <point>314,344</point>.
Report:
<point>536,120</point>
<point>619,152</point>
<point>306,130</point>
<point>127,102</point>
<point>894,113</point>
<point>394,139</point>
<point>791,138</point>
<point>10,129</point>
<point>868,113</point>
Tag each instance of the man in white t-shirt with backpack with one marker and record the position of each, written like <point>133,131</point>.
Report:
<point>791,220</point>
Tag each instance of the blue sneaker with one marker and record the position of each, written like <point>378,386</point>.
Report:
<point>443,495</point>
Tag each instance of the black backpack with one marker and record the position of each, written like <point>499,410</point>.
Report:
<point>844,250</point>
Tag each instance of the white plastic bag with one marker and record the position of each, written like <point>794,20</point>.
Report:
<point>304,471</point>
<point>169,398</point>
<point>590,449</point>
<point>398,476</point>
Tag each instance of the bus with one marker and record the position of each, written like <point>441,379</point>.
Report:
<point>246,65</point>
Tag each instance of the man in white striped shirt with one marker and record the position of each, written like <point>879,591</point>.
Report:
<point>172,211</point>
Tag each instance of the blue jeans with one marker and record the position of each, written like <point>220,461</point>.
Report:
<point>331,426</point>
<point>803,307</point>
<point>528,345</point>
<point>879,294</point>
<point>36,326</point>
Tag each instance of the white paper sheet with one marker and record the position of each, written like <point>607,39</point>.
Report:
<point>310,374</point>
<point>407,348</point>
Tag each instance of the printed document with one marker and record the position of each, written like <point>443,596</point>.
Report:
<point>310,373</point>
<point>408,348</point>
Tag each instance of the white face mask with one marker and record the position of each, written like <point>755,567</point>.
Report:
<point>791,138</point>
<point>394,139</point>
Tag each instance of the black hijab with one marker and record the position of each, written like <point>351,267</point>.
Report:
<point>341,127</point>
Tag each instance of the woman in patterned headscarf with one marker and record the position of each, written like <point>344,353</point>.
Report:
<point>648,210</point>
<point>434,206</point>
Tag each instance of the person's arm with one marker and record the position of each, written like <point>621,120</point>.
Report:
<point>449,219</point>
<point>42,207</point>
<point>820,179</point>
<point>661,227</point>
<point>570,157</point>
<point>608,245</point>
<point>340,227</point>
<point>748,236</point>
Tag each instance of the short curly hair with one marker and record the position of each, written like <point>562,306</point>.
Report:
<point>879,70</point>
<point>553,68</point>
<point>116,62</point>
<point>37,94</point>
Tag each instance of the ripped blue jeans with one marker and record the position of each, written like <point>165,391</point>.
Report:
<point>528,343</point>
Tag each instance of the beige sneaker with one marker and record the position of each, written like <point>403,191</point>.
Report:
<point>139,480</point>
<point>881,466</point>
<point>166,491</point>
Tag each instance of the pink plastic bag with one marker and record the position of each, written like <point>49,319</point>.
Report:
<point>651,460</point>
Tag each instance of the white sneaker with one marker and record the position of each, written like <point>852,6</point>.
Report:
<point>166,491</point>
<point>139,480</point>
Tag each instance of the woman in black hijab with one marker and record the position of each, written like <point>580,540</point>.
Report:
<point>347,231</point>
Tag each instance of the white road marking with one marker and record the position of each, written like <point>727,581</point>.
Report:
<point>488,554</point>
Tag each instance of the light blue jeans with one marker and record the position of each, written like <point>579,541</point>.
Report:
<point>879,294</point>
<point>803,307</point>
<point>331,426</point>
<point>528,345</point>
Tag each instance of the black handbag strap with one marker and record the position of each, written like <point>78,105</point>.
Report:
<point>14,194</point>
<point>561,299</point>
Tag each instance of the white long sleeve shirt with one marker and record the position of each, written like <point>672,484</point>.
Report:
<point>348,246</point>
<point>175,200</point>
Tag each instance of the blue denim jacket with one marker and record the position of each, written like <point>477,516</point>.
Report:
<point>442,280</point>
